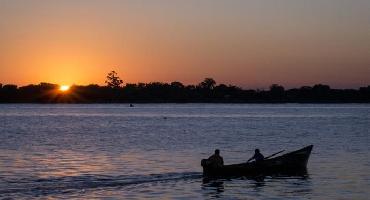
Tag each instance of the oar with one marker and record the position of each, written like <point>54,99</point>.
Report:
<point>273,154</point>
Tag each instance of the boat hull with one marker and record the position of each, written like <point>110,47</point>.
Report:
<point>292,163</point>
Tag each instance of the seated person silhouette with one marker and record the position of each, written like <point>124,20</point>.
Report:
<point>258,157</point>
<point>216,160</point>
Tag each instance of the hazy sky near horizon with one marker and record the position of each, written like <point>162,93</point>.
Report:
<point>248,43</point>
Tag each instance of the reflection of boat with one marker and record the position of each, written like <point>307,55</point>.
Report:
<point>291,163</point>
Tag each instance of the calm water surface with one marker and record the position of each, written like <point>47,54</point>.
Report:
<point>154,150</point>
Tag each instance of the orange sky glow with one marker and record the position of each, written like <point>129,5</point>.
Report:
<point>252,44</point>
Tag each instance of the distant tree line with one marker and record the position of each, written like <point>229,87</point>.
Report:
<point>206,91</point>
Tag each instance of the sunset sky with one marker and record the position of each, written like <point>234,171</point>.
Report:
<point>250,43</point>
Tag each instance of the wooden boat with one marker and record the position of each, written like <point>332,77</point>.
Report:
<point>288,164</point>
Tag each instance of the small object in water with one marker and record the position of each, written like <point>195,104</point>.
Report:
<point>164,117</point>
<point>131,105</point>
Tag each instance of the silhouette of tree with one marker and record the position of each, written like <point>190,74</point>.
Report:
<point>321,92</point>
<point>207,84</point>
<point>9,87</point>
<point>365,93</point>
<point>48,86</point>
<point>9,93</point>
<point>113,81</point>
<point>277,93</point>
<point>278,89</point>
<point>177,85</point>
<point>321,88</point>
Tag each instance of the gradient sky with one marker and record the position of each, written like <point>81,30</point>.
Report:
<point>248,43</point>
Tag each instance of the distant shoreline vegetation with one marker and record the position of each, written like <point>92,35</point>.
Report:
<point>156,92</point>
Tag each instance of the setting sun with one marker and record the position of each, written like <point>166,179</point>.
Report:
<point>64,87</point>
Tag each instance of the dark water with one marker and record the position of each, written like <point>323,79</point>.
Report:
<point>153,151</point>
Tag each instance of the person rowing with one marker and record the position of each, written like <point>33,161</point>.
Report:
<point>216,160</point>
<point>258,157</point>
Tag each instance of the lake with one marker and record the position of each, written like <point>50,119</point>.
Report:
<point>153,151</point>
